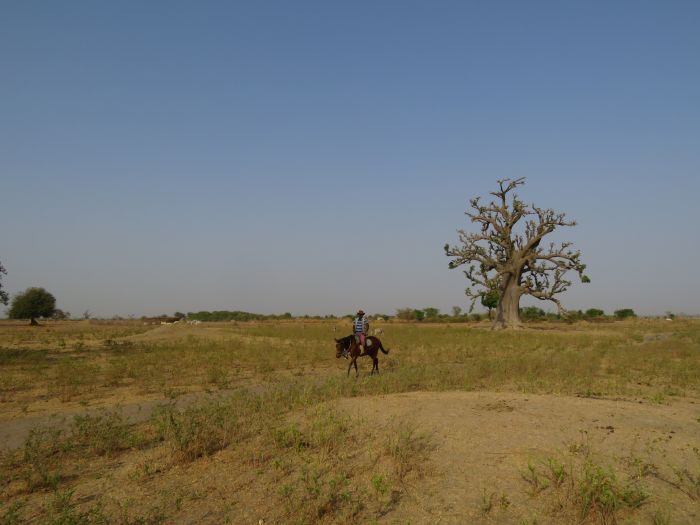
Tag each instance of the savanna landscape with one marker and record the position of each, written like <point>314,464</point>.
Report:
<point>216,190</point>
<point>258,422</point>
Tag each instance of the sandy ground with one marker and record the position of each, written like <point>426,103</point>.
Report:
<point>479,445</point>
<point>483,440</point>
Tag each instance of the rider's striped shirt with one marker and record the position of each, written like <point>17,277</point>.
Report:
<point>359,324</point>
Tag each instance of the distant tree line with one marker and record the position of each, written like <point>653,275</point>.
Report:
<point>226,315</point>
<point>527,313</point>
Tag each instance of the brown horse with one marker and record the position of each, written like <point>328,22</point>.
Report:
<point>351,348</point>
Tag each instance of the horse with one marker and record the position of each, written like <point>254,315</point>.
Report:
<point>349,344</point>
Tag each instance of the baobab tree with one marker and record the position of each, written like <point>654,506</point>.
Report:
<point>512,260</point>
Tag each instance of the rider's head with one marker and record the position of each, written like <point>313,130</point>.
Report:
<point>360,313</point>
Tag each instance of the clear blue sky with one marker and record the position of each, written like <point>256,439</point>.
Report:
<point>314,157</point>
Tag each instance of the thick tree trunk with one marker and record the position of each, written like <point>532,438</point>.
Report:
<point>33,322</point>
<point>508,310</point>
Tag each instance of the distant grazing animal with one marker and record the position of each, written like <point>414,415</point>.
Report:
<point>349,345</point>
<point>378,331</point>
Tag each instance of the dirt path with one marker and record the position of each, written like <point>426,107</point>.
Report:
<point>13,432</point>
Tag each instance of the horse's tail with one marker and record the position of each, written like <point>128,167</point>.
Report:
<point>382,348</point>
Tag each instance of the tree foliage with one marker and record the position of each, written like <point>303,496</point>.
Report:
<point>532,313</point>
<point>431,313</point>
<point>59,314</point>
<point>507,254</point>
<point>236,315</point>
<point>32,303</point>
<point>594,312</point>
<point>624,313</point>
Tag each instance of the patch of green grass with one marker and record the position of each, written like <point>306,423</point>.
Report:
<point>534,479</point>
<point>63,511</point>
<point>40,465</point>
<point>601,494</point>
<point>11,516</point>
<point>590,491</point>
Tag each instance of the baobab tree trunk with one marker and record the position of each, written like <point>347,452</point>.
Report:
<point>508,309</point>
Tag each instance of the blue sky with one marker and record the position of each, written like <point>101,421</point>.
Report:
<point>314,157</point>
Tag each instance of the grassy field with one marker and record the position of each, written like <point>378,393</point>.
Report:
<point>224,422</point>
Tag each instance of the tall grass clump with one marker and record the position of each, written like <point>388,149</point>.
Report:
<point>197,431</point>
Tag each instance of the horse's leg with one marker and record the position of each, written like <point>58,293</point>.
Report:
<point>375,365</point>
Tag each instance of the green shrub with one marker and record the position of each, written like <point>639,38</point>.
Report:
<point>624,313</point>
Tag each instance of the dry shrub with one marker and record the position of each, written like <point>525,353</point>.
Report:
<point>196,431</point>
<point>408,449</point>
<point>103,434</point>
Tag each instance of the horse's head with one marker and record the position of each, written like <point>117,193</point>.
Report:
<point>338,348</point>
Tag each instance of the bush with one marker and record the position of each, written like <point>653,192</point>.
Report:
<point>624,313</point>
<point>532,313</point>
<point>594,312</point>
<point>197,431</point>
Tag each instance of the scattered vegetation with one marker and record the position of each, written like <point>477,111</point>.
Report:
<point>270,416</point>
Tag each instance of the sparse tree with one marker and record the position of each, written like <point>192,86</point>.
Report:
<point>431,313</point>
<point>624,313</point>
<point>406,314</point>
<point>31,304</point>
<point>456,311</point>
<point>179,315</point>
<point>87,314</point>
<point>594,312</point>
<point>59,314</point>
<point>4,297</point>
<point>509,259</point>
<point>532,313</point>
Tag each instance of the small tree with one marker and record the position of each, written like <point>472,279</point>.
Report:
<point>405,314</point>
<point>32,303</point>
<point>431,313</point>
<point>4,298</point>
<point>511,260</point>
<point>594,312</point>
<point>624,313</point>
<point>456,311</point>
<point>59,314</point>
<point>532,313</point>
<point>489,300</point>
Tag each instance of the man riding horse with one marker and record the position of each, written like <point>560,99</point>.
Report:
<point>360,329</point>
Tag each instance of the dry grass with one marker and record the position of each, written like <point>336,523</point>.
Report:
<point>273,425</point>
